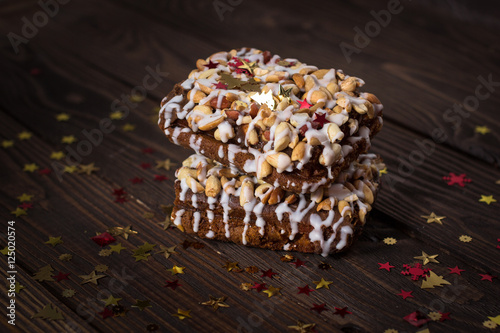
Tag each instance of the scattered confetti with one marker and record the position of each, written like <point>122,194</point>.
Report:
<point>305,290</point>
<point>103,239</point>
<point>111,300</point>
<point>390,241</point>
<point>482,130</point>
<point>303,104</point>
<point>182,314</point>
<point>117,248</point>
<point>128,127</point>
<point>272,291</point>
<point>44,274</point>
<point>229,266</point>
<point>487,199</point>
<point>69,139</point>
<point>386,266</point>
<point>265,98</point>
<point>406,294</point>
<point>61,276</point>
<point>116,115</point>
<point>7,143</point>
<point>434,218</point>
<point>416,318</point>
<point>269,273</point>
<point>454,179</point>
<point>246,286</point>
<point>259,286</point>
<point>19,212</point>
<point>105,252</point>
<point>302,327</point>
<point>298,263</point>
<point>101,268</point>
<point>465,238</point>
<point>32,167</point>
<point>24,135</point>
<point>160,178</point>
<point>416,271</point>
<point>68,293</point>
<point>176,270</point>
<point>167,164</point>
<point>125,232</point>
<point>92,278</point>
<point>65,257</point>
<point>57,155</point>
<point>62,117</point>
<point>433,280</point>
<point>136,180</point>
<point>211,64</point>
<point>319,308</point>
<point>489,324</point>
<point>172,284</point>
<point>25,197</point>
<point>434,316</point>
<point>427,258</point>
<point>87,169</point>
<point>167,251</point>
<point>54,241</point>
<point>382,171</point>
<point>287,258</point>
<point>49,312</point>
<point>322,284</point>
<point>496,319</point>
<point>106,313</point>
<point>456,270</point>
<point>216,303</point>
<point>70,168</point>
<point>487,277</point>
<point>342,311</point>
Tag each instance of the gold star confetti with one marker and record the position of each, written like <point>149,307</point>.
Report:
<point>88,169</point>
<point>382,172</point>
<point>433,218</point>
<point>272,291</point>
<point>70,168</point>
<point>68,293</point>
<point>465,238</point>
<point>302,327</point>
<point>433,280</point>
<point>92,278</point>
<point>251,269</point>
<point>117,248</point>
<point>116,115</point>
<point>246,286</point>
<point>265,98</point>
<point>146,247</point>
<point>57,155</point>
<point>182,314</point>
<point>136,98</point>
<point>128,127</point>
<point>17,287</point>
<point>25,197</point>
<point>496,319</point>
<point>229,266</point>
<point>111,301</point>
<point>167,164</point>
<point>7,143</point>
<point>176,270</point>
<point>435,316</point>
<point>19,212</point>
<point>427,258</point>
<point>489,324</point>
<point>5,251</point>
<point>105,252</point>
<point>482,130</point>
<point>24,135</point>
<point>44,274</point>
<point>54,241</point>
<point>322,284</point>
<point>487,198</point>
<point>62,117</point>
<point>284,93</point>
<point>167,251</point>
<point>216,303</point>
<point>141,257</point>
<point>49,312</point>
<point>101,268</point>
<point>32,167</point>
<point>65,257</point>
<point>148,215</point>
<point>390,241</point>
<point>69,139</point>
<point>249,66</point>
<point>287,258</point>
<point>125,232</point>
<point>141,305</point>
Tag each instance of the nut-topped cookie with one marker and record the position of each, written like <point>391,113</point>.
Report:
<point>285,122</point>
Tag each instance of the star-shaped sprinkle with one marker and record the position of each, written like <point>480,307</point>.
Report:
<point>433,280</point>
<point>269,273</point>
<point>182,314</point>
<point>167,251</point>
<point>19,212</point>
<point>482,130</point>
<point>322,284</point>
<point>44,274</point>
<point>61,276</point>
<point>87,168</point>
<point>249,66</point>
<point>65,257</point>
<point>105,252</point>
<point>172,284</point>
<point>303,104</point>
<point>136,98</point>
<point>24,135</point>
<point>147,150</point>
<point>456,270</point>
<point>68,293</point>
<point>433,218</point>
<point>496,319</point>
<point>487,198</point>
<point>25,205</point>
<point>305,290</point>
<point>272,291</point>
<point>342,311</point>
<point>320,120</point>
<point>427,258</point>
<point>487,277</point>
<point>116,115</point>
<point>465,238</point>
<point>141,305</point>
<point>386,266</point>
<point>287,258</point>
<point>54,241</point>
<point>49,312</point>
<point>5,251</point>
<point>216,302</point>
<point>460,180</point>
<point>103,239</point>
<point>444,316</point>
<point>111,300</point>
<point>106,313</point>
<point>382,171</point>
<point>176,270</point>
<point>32,167</point>
<point>265,98</point>
<point>160,178</point>
<point>128,127</point>
<point>284,93</point>
<point>141,256</point>
<point>259,286</point>
<point>221,85</point>
<point>136,180</point>
<point>69,139</point>
<point>117,248</point>
<point>229,266</point>
<point>91,278</point>
<point>390,241</point>
<point>166,164</point>
<point>70,168</point>
<point>62,117</point>
<point>7,143</point>
<point>211,64</point>
<point>125,232</point>
<point>146,247</point>
<point>319,308</point>
<point>302,327</point>
<point>298,263</point>
<point>405,294</point>
<point>416,318</point>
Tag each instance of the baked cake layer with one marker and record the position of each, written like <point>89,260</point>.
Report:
<point>285,122</point>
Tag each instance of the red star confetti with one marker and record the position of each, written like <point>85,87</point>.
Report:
<point>119,192</point>
<point>269,273</point>
<point>487,277</point>
<point>298,263</point>
<point>160,178</point>
<point>415,271</point>
<point>444,316</point>
<point>121,199</point>
<point>498,240</point>
<point>303,104</point>
<point>259,286</point>
<point>456,270</point>
<point>454,179</point>
<point>386,266</point>
<point>416,318</point>
<point>211,64</point>
<point>25,205</point>
<point>106,313</point>
<point>405,294</point>
<point>103,239</point>
<point>61,276</point>
<point>319,308</point>
<point>172,284</point>
<point>145,165</point>
<point>342,311</point>
<point>221,85</point>
<point>320,119</point>
<point>136,180</point>
<point>147,150</point>
<point>45,171</point>
<point>305,290</point>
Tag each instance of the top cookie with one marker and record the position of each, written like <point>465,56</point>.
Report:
<point>283,121</point>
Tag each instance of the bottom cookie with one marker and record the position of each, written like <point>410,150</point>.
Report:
<point>217,203</point>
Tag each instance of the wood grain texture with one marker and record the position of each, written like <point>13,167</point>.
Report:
<point>92,53</point>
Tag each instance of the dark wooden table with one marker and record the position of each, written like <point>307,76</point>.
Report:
<point>435,66</point>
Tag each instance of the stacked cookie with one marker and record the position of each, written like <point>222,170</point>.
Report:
<point>281,152</point>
